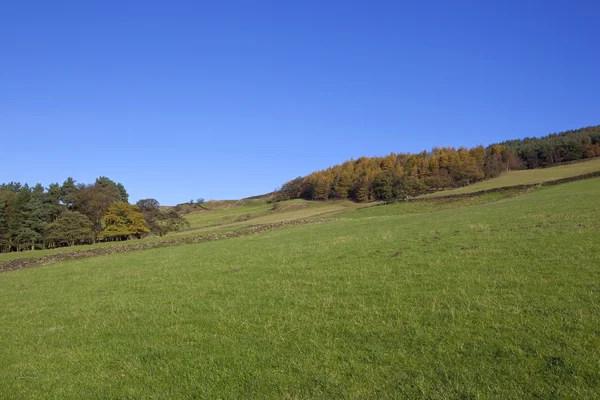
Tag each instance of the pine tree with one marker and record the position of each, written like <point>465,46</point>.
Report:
<point>362,190</point>
<point>3,227</point>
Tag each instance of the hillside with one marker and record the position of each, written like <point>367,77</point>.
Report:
<point>402,175</point>
<point>448,299</point>
<point>58,217</point>
<point>229,215</point>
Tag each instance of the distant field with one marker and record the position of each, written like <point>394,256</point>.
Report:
<point>491,297</point>
<point>260,211</point>
<point>530,176</point>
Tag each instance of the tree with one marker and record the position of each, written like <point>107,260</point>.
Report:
<point>8,196</point>
<point>321,187</point>
<point>3,227</point>
<point>67,192</point>
<point>443,167</point>
<point>362,190</point>
<point>152,214</point>
<point>40,211</point>
<point>342,181</point>
<point>148,204</point>
<point>93,201</point>
<point>52,202</point>
<point>289,190</point>
<point>27,213</point>
<point>22,224</point>
<point>161,222</point>
<point>171,221</point>
<point>69,228</point>
<point>123,220</point>
<point>383,186</point>
<point>119,189</point>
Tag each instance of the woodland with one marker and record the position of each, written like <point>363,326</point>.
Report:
<point>34,217</point>
<point>400,175</point>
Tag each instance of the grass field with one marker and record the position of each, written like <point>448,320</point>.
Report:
<point>497,297</point>
<point>526,177</point>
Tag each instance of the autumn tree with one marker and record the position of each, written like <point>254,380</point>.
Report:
<point>289,190</point>
<point>123,220</point>
<point>444,167</point>
<point>342,181</point>
<point>321,187</point>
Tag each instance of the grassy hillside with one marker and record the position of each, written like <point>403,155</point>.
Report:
<point>526,177</point>
<point>219,216</point>
<point>474,298</point>
<point>224,215</point>
<point>263,211</point>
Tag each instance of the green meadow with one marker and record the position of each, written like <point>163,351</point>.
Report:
<point>490,297</point>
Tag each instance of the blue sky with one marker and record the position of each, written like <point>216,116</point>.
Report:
<point>223,100</point>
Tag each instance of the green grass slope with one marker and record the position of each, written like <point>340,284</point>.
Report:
<point>526,177</point>
<point>259,211</point>
<point>493,299</point>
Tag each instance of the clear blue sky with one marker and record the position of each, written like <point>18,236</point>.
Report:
<point>180,100</point>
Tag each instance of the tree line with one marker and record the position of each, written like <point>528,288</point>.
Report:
<point>34,217</point>
<point>399,175</point>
